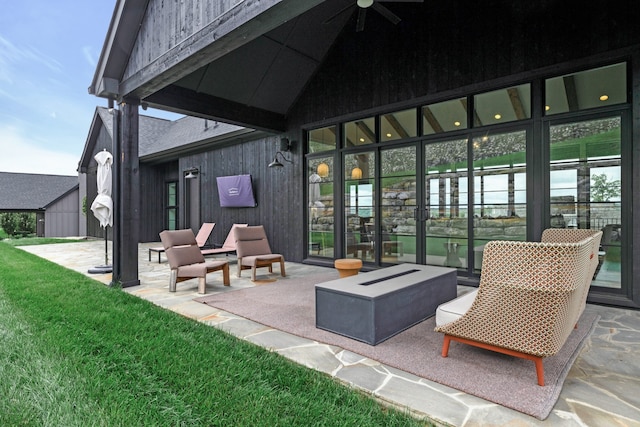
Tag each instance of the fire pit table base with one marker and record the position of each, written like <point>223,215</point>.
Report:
<point>374,306</point>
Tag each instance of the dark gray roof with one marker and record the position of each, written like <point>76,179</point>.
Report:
<point>28,192</point>
<point>159,138</point>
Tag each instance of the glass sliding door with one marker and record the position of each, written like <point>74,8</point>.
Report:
<point>398,205</point>
<point>585,187</point>
<point>446,200</point>
<point>499,190</point>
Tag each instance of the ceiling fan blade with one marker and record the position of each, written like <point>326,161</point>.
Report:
<point>338,13</point>
<point>362,13</point>
<point>386,13</point>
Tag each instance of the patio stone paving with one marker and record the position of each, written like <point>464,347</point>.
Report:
<point>602,388</point>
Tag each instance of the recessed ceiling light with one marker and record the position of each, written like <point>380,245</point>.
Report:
<point>361,139</point>
<point>547,108</point>
<point>457,123</point>
<point>497,116</point>
<point>604,97</point>
<point>388,135</point>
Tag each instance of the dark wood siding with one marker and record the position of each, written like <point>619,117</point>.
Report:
<point>455,47</point>
<point>280,200</point>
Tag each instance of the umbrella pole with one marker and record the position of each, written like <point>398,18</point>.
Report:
<point>106,268</point>
<point>106,253</point>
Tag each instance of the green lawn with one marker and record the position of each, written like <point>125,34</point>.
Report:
<point>74,352</point>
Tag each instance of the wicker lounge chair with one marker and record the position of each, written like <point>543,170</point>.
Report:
<point>186,260</point>
<point>530,297</point>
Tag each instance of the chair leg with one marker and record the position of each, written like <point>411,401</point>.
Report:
<point>282,272</point>
<point>445,346</point>
<point>225,275</point>
<point>173,280</point>
<point>202,285</point>
<point>539,371</point>
<point>239,267</point>
<point>253,273</point>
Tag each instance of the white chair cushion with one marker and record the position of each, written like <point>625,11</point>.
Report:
<point>454,309</point>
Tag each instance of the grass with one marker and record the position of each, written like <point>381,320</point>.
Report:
<point>74,352</point>
<point>28,241</point>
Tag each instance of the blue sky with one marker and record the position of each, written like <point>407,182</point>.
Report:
<point>48,55</point>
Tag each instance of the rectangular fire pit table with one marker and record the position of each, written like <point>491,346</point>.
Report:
<point>375,306</point>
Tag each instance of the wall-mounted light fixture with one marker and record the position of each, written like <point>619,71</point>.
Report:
<point>323,170</point>
<point>356,173</point>
<point>286,146</point>
<point>191,173</point>
<point>276,163</point>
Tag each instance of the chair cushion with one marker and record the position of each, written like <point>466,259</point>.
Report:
<point>193,270</point>
<point>454,309</point>
<point>251,260</point>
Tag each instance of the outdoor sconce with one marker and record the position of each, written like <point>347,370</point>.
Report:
<point>276,163</point>
<point>356,173</point>
<point>323,170</point>
<point>285,145</point>
<point>191,174</point>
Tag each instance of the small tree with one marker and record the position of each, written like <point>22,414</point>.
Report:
<point>603,190</point>
<point>8,223</point>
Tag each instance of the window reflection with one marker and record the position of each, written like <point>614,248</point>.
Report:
<point>398,125</point>
<point>320,213</point>
<point>360,132</point>
<point>502,106</point>
<point>444,116</point>
<point>446,193</point>
<point>587,89</point>
<point>322,139</point>
<point>585,187</point>
<point>499,190</point>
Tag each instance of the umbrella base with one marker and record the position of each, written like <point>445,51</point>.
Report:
<point>101,269</point>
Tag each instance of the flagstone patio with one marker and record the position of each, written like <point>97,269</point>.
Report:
<point>602,388</point>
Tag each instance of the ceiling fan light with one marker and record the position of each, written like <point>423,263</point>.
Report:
<point>365,3</point>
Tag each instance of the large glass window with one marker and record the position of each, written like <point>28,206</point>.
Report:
<point>322,139</point>
<point>502,106</point>
<point>499,190</point>
<point>171,205</point>
<point>587,89</point>
<point>446,195</point>
<point>585,187</point>
<point>398,125</point>
<point>360,132</point>
<point>444,116</point>
<point>398,210</point>
<point>359,206</point>
<point>320,213</point>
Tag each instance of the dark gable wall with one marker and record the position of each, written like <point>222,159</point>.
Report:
<point>441,48</point>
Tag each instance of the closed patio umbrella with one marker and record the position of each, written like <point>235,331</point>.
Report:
<point>102,206</point>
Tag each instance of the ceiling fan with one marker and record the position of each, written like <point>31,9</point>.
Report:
<point>363,5</point>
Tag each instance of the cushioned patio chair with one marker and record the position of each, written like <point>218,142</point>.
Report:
<point>201,238</point>
<point>254,251</point>
<point>530,297</point>
<point>229,245</point>
<point>186,260</point>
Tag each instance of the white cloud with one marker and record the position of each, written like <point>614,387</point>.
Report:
<point>19,155</point>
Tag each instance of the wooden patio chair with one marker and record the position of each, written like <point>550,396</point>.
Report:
<point>530,297</point>
<point>229,245</point>
<point>186,260</point>
<point>201,238</point>
<point>254,251</point>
